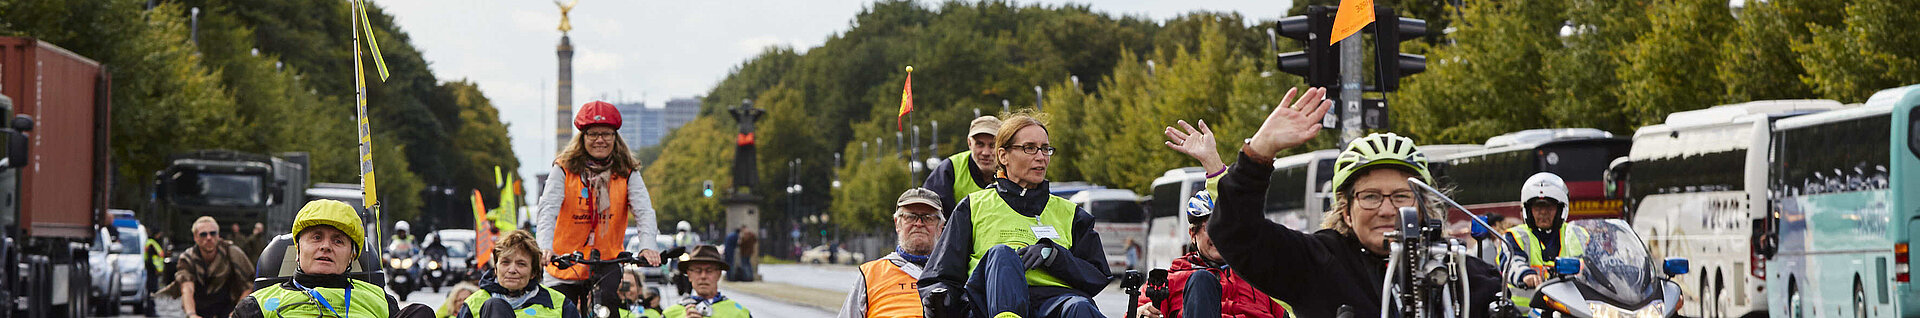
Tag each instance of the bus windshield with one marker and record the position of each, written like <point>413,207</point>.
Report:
<point>1121,211</point>
<point>218,189</point>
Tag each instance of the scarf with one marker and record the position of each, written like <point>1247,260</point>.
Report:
<point>915,259</point>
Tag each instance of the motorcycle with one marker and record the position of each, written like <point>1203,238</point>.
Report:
<point>1613,277</point>
<point>402,279</point>
<point>431,270</point>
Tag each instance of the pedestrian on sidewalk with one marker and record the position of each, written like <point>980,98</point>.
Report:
<point>887,286</point>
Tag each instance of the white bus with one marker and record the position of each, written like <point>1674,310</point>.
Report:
<point>1118,216</point>
<point>1696,189</point>
<point>1167,231</point>
<point>1300,190</point>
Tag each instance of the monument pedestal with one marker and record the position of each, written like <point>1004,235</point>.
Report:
<point>743,210</point>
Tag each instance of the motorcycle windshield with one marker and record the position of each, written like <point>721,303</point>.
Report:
<point>1615,263</point>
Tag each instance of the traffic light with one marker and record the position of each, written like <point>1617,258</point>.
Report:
<point>1389,30</point>
<point>707,188</point>
<point>1320,63</point>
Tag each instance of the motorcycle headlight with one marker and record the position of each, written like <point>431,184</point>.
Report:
<point>434,265</point>
<point>1656,309</point>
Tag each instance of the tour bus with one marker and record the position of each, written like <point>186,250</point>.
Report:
<point>1696,189</point>
<point>1167,231</point>
<point>1118,217</point>
<point>1488,180</point>
<point>1300,192</point>
<point>1841,196</point>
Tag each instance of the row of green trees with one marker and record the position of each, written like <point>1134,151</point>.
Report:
<point>1112,82</point>
<point>271,76</point>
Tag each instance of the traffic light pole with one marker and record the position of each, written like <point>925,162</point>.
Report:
<point>1352,83</point>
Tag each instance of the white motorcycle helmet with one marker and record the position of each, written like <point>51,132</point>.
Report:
<point>1545,185</point>
<point>401,227</point>
<point>684,226</point>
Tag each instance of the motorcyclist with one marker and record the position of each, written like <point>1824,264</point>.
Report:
<point>1544,197</point>
<point>1344,263</point>
<point>402,242</point>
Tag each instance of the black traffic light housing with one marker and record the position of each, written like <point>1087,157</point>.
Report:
<point>707,188</point>
<point>1320,62</point>
<point>1389,30</point>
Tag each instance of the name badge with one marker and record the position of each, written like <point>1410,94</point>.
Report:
<point>1045,232</point>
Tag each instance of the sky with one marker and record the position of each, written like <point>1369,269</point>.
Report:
<point>648,50</point>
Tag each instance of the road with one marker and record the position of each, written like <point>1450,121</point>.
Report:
<point>802,291</point>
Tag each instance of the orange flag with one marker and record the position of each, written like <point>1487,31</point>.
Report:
<point>483,240</point>
<point>906,101</point>
<point>1353,15</point>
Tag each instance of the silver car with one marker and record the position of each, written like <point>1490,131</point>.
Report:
<point>105,272</point>
<point>460,250</point>
<point>132,267</point>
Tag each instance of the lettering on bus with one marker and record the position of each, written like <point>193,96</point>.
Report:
<point>1595,207</point>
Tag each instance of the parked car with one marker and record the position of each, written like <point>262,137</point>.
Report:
<point>105,272</point>
<point>818,255</point>
<point>132,264</point>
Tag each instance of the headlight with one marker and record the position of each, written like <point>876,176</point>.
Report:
<point>1602,310</point>
<point>433,265</point>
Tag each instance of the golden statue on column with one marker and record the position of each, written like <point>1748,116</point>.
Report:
<point>564,8</point>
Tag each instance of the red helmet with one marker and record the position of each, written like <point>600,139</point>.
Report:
<point>596,113</point>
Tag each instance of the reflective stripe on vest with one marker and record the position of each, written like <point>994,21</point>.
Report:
<point>576,221</point>
<point>995,223</point>
<point>480,298</point>
<point>722,309</point>
<point>890,291</point>
<point>1573,243</point>
<point>277,301</point>
<point>963,183</point>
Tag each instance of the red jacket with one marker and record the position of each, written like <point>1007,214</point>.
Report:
<point>1237,298</point>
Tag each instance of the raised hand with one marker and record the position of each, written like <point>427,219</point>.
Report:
<point>1196,143</point>
<point>1291,124</point>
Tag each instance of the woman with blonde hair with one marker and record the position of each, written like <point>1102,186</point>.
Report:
<point>1014,248</point>
<point>594,190</point>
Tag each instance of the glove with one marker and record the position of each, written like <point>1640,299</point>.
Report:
<point>1042,254</point>
<point>942,302</point>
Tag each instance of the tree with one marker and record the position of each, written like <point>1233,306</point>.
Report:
<point>1866,54</point>
<point>1667,66</point>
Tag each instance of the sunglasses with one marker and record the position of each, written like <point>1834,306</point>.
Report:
<point>209,234</point>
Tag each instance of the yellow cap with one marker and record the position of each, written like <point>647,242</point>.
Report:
<point>333,213</point>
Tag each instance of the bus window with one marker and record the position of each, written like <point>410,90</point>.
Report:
<point>1117,211</point>
<point>1803,169</point>
<point>1288,189</point>
<point>1913,132</point>
<point>1167,200</point>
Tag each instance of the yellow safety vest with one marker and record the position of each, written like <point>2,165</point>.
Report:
<point>722,309</point>
<point>963,183</point>
<point>528,310</point>
<point>1573,242</point>
<point>369,301</point>
<point>995,223</point>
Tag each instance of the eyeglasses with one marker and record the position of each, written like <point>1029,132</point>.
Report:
<point>919,218</point>
<point>1031,149</point>
<point>1372,200</point>
<point>601,135</point>
<point>209,234</point>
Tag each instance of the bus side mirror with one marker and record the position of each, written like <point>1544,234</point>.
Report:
<point>1675,266</point>
<point>1566,266</point>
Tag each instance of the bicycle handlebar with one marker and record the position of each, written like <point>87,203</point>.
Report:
<point>568,260</point>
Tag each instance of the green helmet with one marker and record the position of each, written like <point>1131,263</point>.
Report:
<point>1378,149</point>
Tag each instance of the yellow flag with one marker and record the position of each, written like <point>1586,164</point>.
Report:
<point>1353,15</point>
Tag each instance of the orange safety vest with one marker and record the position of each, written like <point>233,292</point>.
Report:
<point>890,291</point>
<point>577,224</point>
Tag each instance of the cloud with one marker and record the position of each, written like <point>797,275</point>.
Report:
<point>594,61</point>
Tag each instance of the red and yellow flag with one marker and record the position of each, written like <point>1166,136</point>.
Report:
<point>1353,15</point>
<point>906,101</point>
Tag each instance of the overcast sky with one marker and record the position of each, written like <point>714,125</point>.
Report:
<point>648,50</point>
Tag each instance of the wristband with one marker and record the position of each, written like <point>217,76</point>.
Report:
<point>1223,170</point>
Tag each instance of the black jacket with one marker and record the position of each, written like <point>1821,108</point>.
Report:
<point>941,182</point>
<point>249,308</point>
<point>1315,273</point>
<point>1086,271</point>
